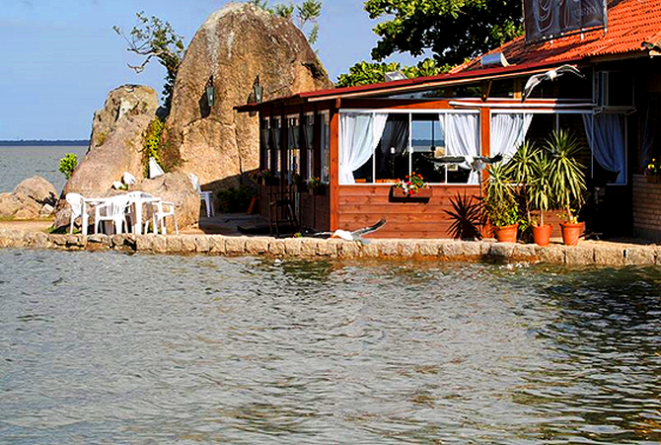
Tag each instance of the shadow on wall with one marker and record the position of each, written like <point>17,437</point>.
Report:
<point>232,194</point>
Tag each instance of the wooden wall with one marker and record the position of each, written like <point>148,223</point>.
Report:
<point>363,205</point>
<point>314,209</point>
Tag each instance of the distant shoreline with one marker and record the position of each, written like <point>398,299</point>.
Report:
<point>45,143</point>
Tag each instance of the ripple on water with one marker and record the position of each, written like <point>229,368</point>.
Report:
<point>113,348</point>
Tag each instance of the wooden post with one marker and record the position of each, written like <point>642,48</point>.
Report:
<point>334,167</point>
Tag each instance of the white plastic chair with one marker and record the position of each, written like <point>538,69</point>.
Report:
<point>205,196</point>
<point>160,214</point>
<point>114,209</point>
<point>134,208</point>
<point>75,201</point>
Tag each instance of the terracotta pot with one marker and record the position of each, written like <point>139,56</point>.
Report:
<point>571,233</point>
<point>542,234</point>
<point>507,234</point>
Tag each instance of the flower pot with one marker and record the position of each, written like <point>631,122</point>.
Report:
<point>507,234</point>
<point>542,234</point>
<point>571,233</point>
<point>422,195</point>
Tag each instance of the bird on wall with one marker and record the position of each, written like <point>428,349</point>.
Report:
<point>355,235</point>
<point>549,75</point>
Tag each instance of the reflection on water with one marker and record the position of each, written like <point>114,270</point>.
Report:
<point>111,348</point>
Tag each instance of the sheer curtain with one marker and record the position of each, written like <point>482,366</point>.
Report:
<point>605,134</point>
<point>508,131</point>
<point>461,138</point>
<point>359,134</point>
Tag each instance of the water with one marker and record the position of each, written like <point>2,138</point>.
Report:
<point>19,163</point>
<point>117,349</point>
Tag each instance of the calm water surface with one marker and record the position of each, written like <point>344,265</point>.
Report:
<point>114,349</point>
<point>19,163</point>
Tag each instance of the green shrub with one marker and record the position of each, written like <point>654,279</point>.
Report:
<point>235,200</point>
<point>152,146</point>
<point>67,165</point>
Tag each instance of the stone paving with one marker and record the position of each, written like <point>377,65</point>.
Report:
<point>586,253</point>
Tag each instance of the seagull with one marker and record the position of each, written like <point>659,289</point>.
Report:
<point>549,75</point>
<point>356,235</point>
<point>475,163</point>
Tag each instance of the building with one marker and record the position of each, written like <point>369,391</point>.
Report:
<point>360,140</point>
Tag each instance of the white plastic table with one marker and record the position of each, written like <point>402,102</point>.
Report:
<point>138,202</point>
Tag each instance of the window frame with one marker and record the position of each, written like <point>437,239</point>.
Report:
<point>410,112</point>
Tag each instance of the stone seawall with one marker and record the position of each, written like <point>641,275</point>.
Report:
<point>586,253</point>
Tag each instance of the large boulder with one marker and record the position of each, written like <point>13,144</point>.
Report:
<point>177,189</point>
<point>235,45</point>
<point>115,145</point>
<point>31,199</point>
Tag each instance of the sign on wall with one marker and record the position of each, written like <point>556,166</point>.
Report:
<point>545,19</point>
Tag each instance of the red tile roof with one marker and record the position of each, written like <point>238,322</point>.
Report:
<point>630,22</point>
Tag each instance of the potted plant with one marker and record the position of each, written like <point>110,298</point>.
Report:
<point>652,172</point>
<point>315,186</point>
<point>540,195</point>
<point>568,181</point>
<point>268,177</point>
<point>501,205</point>
<point>520,169</point>
<point>298,181</point>
<point>411,186</point>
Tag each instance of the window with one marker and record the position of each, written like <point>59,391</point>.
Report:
<point>293,146</point>
<point>308,139</point>
<point>264,144</point>
<point>377,147</point>
<point>325,147</point>
<point>275,145</point>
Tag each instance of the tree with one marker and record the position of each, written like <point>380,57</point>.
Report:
<point>366,73</point>
<point>153,38</point>
<point>308,12</point>
<point>452,29</point>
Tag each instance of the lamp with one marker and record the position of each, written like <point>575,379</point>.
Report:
<point>211,93</point>
<point>258,91</point>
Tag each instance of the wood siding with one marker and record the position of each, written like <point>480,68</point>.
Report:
<point>364,205</point>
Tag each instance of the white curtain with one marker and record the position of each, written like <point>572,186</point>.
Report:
<point>508,131</point>
<point>605,134</point>
<point>359,135</point>
<point>462,137</point>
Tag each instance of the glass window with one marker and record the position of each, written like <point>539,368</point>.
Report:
<point>325,147</point>
<point>264,146</point>
<point>275,145</point>
<point>308,139</point>
<point>427,141</point>
<point>392,155</point>
<point>293,146</point>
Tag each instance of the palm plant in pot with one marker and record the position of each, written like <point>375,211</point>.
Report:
<point>540,195</point>
<point>567,176</point>
<point>520,170</point>
<point>501,205</point>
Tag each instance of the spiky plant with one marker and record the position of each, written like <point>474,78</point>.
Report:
<point>520,170</point>
<point>566,171</point>
<point>540,186</point>
<point>500,201</point>
<point>468,215</point>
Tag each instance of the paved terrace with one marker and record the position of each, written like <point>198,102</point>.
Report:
<point>207,241</point>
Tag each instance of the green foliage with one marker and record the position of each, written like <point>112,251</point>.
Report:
<point>467,216</point>
<point>152,37</point>
<point>452,29</point>
<point>501,204</point>
<point>520,169</point>
<point>366,73</point>
<point>67,165</point>
<point>308,12</point>
<point>100,139</point>
<point>235,200</point>
<point>566,171</point>
<point>540,185</point>
<point>152,144</point>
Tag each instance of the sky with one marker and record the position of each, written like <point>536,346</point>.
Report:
<point>60,58</point>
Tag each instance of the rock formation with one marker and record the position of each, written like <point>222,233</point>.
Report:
<point>235,45</point>
<point>31,199</point>
<point>115,144</point>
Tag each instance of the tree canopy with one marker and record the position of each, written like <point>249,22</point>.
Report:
<point>308,12</point>
<point>453,30</point>
<point>366,73</point>
<point>152,37</point>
